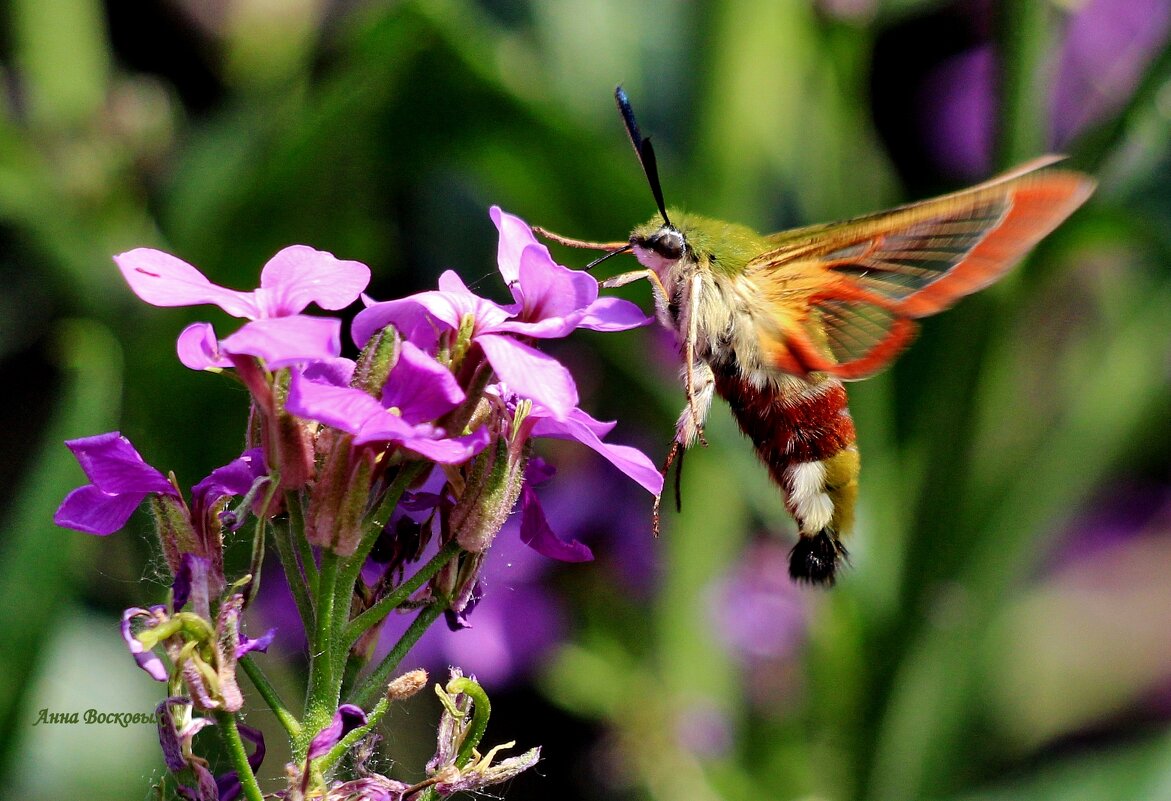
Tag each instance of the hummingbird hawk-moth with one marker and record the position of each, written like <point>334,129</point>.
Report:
<point>776,323</point>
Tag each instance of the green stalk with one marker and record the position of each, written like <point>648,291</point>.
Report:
<point>321,699</point>
<point>304,549</point>
<point>378,612</point>
<point>230,736</point>
<point>286,718</point>
<point>377,680</point>
<point>1023,38</point>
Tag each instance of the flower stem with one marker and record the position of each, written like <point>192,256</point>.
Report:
<point>378,612</point>
<point>230,736</point>
<point>286,718</point>
<point>376,681</point>
<point>321,700</point>
<point>481,711</point>
<point>346,743</point>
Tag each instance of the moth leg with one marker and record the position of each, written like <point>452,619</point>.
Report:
<point>658,291</point>
<point>698,377</point>
<point>700,382</point>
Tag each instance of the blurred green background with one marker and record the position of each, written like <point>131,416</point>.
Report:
<point>1005,631</point>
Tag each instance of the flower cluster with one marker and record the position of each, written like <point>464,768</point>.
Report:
<point>357,469</point>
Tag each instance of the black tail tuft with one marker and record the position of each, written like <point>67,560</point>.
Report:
<point>814,560</point>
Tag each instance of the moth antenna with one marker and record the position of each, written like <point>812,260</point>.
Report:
<point>642,149</point>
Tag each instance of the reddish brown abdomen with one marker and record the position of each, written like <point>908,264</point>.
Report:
<point>803,432</point>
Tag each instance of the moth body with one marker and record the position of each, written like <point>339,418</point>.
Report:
<point>800,426</point>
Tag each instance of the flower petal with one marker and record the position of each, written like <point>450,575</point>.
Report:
<point>421,388</point>
<point>92,511</point>
<point>531,374</point>
<point>581,427</point>
<point>344,408</point>
<point>536,533</point>
<point>447,451</point>
<point>284,341</point>
<point>199,348</point>
<point>300,275</point>
<point>164,280</point>
<point>114,466</point>
<point>551,290</point>
<point>515,236</point>
<point>613,314</point>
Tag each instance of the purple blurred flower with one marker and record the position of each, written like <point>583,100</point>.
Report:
<point>757,612</point>
<point>1105,49</point>
<point>418,391</point>
<point>278,332</point>
<point>1102,52</point>
<point>550,301</point>
<point>119,481</point>
<point>515,626</point>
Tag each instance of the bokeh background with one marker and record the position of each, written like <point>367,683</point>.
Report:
<point>1005,630</point>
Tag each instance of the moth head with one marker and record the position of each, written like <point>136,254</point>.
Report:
<point>658,246</point>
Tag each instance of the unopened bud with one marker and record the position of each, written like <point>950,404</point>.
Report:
<point>406,685</point>
<point>376,361</point>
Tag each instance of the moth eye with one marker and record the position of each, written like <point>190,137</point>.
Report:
<point>668,244</point>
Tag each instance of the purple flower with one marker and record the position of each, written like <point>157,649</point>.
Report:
<point>418,391</point>
<point>119,481</point>
<point>278,332</point>
<point>550,301</point>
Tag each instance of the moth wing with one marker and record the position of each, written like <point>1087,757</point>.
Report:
<point>863,281</point>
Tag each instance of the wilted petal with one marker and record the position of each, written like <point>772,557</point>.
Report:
<point>234,478</point>
<point>145,658</point>
<point>531,374</point>
<point>164,280</point>
<point>581,427</point>
<point>228,784</point>
<point>283,341</point>
<point>536,533</point>
<point>260,644</point>
<point>347,718</point>
<point>419,387</point>
<point>300,275</point>
<point>199,348</point>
